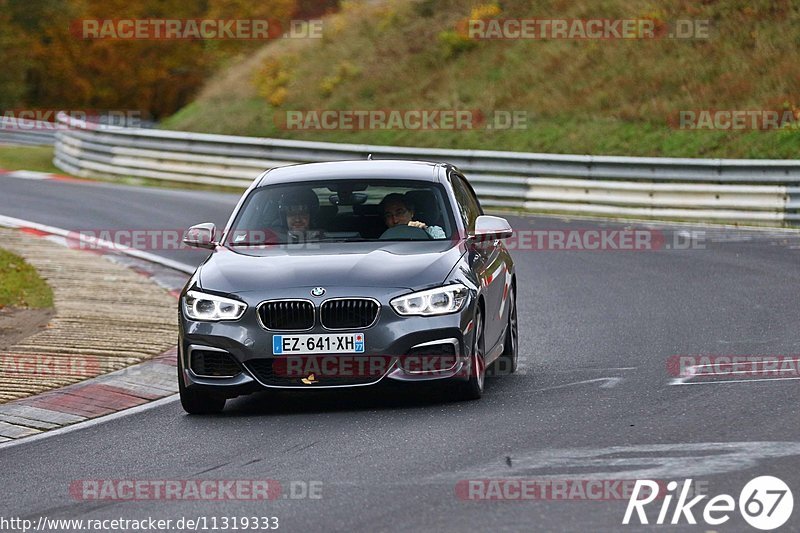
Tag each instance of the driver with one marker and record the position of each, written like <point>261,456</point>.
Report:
<point>398,210</point>
<point>298,210</point>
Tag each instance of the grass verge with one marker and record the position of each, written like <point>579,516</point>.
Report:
<point>38,158</point>
<point>21,285</point>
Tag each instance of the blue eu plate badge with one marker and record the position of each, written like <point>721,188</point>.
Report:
<point>322,344</point>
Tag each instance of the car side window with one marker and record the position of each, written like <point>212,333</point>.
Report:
<point>468,206</point>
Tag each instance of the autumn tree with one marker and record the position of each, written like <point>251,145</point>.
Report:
<point>49,63</point>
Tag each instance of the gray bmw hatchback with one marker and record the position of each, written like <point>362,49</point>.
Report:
<point>347,274</point>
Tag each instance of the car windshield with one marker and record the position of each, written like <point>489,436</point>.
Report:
<point>343,211</point>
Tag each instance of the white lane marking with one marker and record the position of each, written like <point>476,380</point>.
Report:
<point>28,175</point>
<point>91,422</point>
<point>639,461</point>
<point>591,369</point>
<point>737,372</point>
<point>97,244</point>
<point>681,380</point>
<point>776,361</point>
<point>724,381</point>
<point>608,383</point>
<point>691,373</point>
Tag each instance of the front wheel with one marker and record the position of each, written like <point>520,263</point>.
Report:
<point>195,402</point>
<point>472,389</point>
<point>508,360</point>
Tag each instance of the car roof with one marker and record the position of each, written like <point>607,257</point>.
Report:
<point>363,169</point>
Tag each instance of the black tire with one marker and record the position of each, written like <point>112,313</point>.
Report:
<point>472,388</point>
<point>509,359</point>
<point>198,403</point>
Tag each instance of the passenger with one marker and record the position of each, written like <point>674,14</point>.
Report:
<point>398,210</point>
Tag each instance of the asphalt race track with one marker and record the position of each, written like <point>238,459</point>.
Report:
<point>594,400</point>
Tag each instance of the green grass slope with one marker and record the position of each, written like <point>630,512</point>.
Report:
<point>580,96</point>
<point>21,285</point>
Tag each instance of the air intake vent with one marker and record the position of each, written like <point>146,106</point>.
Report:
<point>278,373</point>
<point>211,363</point>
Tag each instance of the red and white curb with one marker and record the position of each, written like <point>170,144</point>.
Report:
<point>92,244</point>
<point>110,393</point>
<point>35,175</point>
<point>103,395</point>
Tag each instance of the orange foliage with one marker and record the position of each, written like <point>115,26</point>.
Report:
<point>61,69</point>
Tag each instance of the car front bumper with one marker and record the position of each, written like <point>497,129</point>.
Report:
<point>395,348</point>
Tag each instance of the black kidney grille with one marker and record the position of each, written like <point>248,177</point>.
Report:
<point>350,313</point>
<point>214,364</point>
<point>287,315</point>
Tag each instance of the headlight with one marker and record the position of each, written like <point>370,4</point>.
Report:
<point>439,301</point>
<point>202,306</point>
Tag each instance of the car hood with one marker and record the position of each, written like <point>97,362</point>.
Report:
<point>410,265</point>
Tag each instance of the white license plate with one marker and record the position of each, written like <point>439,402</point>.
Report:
<point>311,344</point>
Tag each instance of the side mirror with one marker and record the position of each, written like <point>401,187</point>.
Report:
<point>201,236</point>
<point>489,228</point>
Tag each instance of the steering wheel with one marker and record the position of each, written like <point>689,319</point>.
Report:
<point>405,233</point>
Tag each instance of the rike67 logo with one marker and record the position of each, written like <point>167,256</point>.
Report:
<point>765,503</point>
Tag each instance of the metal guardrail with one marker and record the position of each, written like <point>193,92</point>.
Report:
<point>27,132</point>
<point>724,190</point>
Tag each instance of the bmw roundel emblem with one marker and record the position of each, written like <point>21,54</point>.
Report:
<point>317,291</point>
